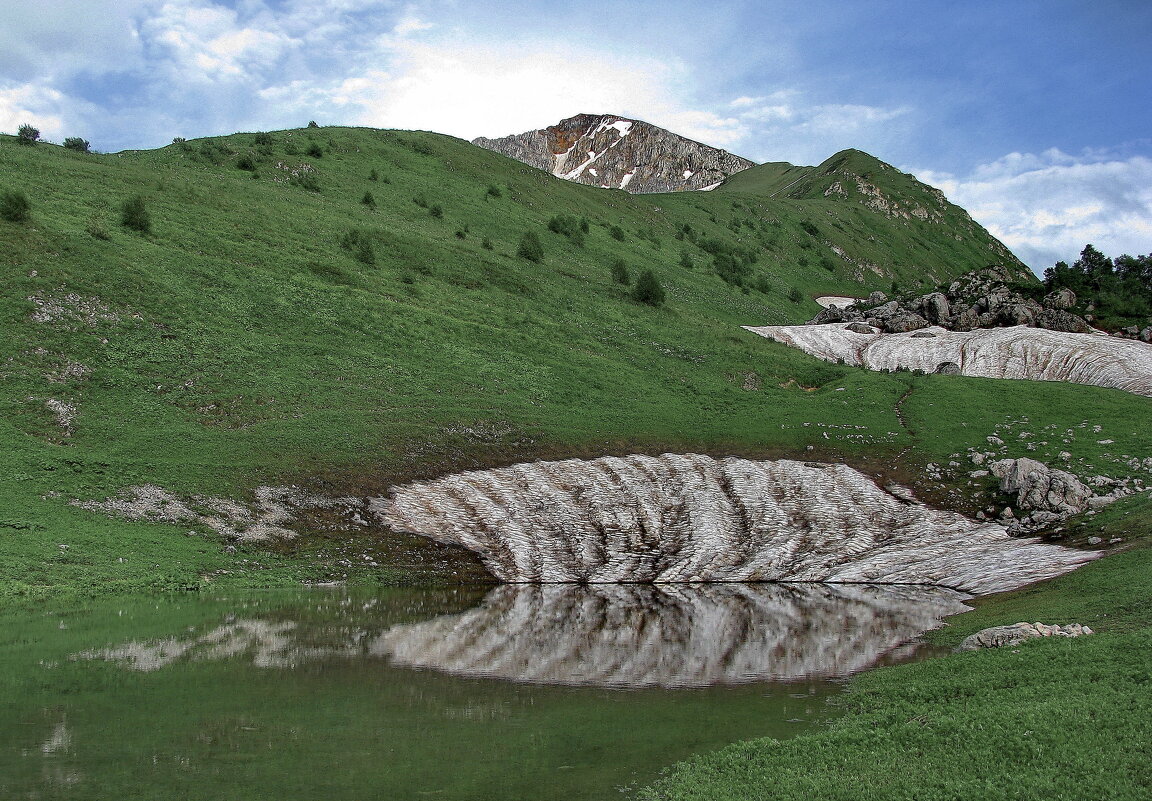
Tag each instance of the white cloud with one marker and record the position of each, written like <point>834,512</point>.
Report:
<point>1047,206</point>
<point>40,106</point>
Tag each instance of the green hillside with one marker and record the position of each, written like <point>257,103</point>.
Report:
<point>346,308</point>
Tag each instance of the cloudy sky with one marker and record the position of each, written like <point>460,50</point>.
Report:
<point>1032,114</point>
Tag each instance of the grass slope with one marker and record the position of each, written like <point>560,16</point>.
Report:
<point>274,327</point>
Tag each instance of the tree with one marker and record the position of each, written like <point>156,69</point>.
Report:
<point>530,247</point>
<point>648,290</point>
<point>27,134</point>
<point>77,144</point>
<point>620,272</point>
<point>368,200</point>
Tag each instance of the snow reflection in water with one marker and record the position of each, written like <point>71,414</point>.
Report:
<point>624,636</point>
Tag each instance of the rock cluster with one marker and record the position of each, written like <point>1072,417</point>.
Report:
<point>692,518</point>
<point>619,153</point>
<point>1019,352</point>
<point>980,299</point>
<point>1000,636</point>
<point>1047,495</point>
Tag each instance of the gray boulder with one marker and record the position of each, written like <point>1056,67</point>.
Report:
<point>860,328</point>
<point>1059,320</point>
<point>1060,299</point>
<point>1000,636</point>
<point>1041,488</point>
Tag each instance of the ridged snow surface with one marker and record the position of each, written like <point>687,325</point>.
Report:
<point>1017,352</point>
<point>671,635</point>
<point>692,518</point>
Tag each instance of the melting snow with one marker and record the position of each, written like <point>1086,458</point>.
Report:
<point>623,127</point>
<point>713,186</point>
<point>624,181</point>
<point>593,171</point>
<point>592,156</point>
<point>688,173</point>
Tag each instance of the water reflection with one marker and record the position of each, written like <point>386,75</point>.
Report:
<point>626,636</point>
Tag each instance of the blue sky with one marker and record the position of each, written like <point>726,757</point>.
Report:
<point>1032,114</point>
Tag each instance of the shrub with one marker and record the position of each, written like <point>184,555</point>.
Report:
<point>617,233</point>
<point>315,151</point>
<point>810,228</point>
<point>27,135</point>
<point>77,144</point>
<point>436,211</point>
<point>359,244</point>
<point>373,176</point>
<point>262,139</point>
<point>14,206</point>
<point>567,226</point>
<point>312,124</point>
<point>686,260</point>
<point>648,290</point>
<point>620,272</point>
<point>796,296</point>
<point>97,230</point>
<point>487,244</point>
<point>530,247</point>
<point>493,191</point>
<point>368,200</point>
<point>245,162</point>
<point>180,141</point>
<point>420,201</point>
<point>134,214</point>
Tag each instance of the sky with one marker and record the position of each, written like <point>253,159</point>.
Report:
<point>1034,115</point>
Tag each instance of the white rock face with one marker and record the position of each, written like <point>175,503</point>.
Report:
<point>692,518</point>
<point>671,635</point>
<point>1017,352</point>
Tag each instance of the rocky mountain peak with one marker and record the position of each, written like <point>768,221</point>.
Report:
<point>615,152</point>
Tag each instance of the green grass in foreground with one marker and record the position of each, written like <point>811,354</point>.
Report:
<point>1052,719</point>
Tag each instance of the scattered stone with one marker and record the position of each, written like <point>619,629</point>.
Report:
<point>860,328</point>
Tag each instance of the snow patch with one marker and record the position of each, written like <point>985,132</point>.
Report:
<point>713,186</point>
<point>624,181</point>
<point>688,174</point>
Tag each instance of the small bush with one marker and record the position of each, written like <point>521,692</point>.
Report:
<point>686,260</point>
<point>315,151</point>
<point>436,211</point>
<point>648,290</point>
<point>567,226</point>
<point>368,200</point>
<point>620,272</point>
<point>180,142</point>
<point>134,214</point>
<point>493,191</point>
<point>262,139</point>
<point>312,124</point>
<point>796,296</point>
<point>77,144</point>
<point>373,176</point>
<point>14,206</point>
<point>420,201</point>
<point>530,247</point>
<point>811,229</point>
<point>617,233</point>
<point>487,244</point>
<point>359,244</point>
<point>245,162</point>
<point>97,230</point>
<point>27,135</point>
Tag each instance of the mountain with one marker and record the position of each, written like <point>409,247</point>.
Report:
<point>615,152</point>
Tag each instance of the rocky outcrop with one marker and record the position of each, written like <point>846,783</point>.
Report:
<point>980,299</point>
<point>1046,495</point>
<point>1000,636</point>
<point>618,153</point>
<point>693,518</point>
<point>633,636</point>
<point>1019,352</point>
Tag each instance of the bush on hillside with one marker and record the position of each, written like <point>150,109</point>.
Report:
<point>530,247</point>
<point>567,226</point>
<point>493,191</point>
<point>77,144</point>
<point>14,206</point>
<point>620,272</point>
<point>134,214</point>
<point>617,233</point>
<point>262,139</point>
<point>368,200</point>
<point>27,135</point>
<point>648,290</point>
<point>436,210</point>
<point>315,151</point>
<point>312,124</point>
<point>359,244</point>
<point>796,296</point>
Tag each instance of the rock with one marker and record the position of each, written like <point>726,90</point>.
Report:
<point>1146,334</point>
<point>1015,314</point>
<point>860,328</point>
<point>688,518</point>
<point>1060,299</point>
<point>1000,636</point>
<point>1040,488</point>
<point>904,321</point>
<point>948,368</point>
<point>1058,320</point>
<point>1095,540</point>
<point>877,298</point>
<point>923,335</point>
<point>936,308</point>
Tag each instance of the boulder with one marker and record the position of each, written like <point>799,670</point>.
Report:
<point>1059,320</point>
<point>1060,299</point>
<point>1000,636</point>
<point>923,335</point>
<point>1146,334</point>
<point>860,328</point>
<point>936,308</point>
<point>876,298</point>
<point>1041,488</point>
<point>903,322</point>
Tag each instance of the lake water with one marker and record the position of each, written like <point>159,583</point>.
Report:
<point>513,693</point>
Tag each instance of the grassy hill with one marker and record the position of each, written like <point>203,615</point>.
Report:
<point>346,308</point>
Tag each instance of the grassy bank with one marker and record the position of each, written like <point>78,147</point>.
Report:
<point>1052,719</point>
